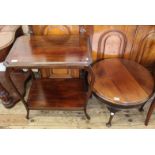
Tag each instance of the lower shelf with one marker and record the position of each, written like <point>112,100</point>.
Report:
<point>57,94</point>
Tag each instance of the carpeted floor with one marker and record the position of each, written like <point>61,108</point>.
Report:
<point>130,119</point>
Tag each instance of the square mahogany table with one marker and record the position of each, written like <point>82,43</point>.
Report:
<point>35,52</point>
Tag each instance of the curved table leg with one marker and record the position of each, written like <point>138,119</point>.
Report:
<point>108,124</point>
<point>90,89</point>
<point>112,113</point>
<point>85,111</point>
<point>8,70</point>
<point>150,112</point>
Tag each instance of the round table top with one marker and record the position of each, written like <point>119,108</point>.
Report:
<point>122,82</point>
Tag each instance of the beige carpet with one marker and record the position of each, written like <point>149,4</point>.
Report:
<point>15,118</point>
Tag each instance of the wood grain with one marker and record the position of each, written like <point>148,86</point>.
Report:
<point>63,31</point>
<point>57,94</point>
<point>139,42</point>
<point>122,82</point>
<point>40,51</point>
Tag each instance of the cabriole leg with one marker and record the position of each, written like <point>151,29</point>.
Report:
<point>108,124</point>
<point>149,113</point>
<point>90,88</point>
<point>86,114</point>
<point>112,113</point>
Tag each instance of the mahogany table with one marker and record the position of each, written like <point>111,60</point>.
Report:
<point>122,84</point>
<point>36,52</point>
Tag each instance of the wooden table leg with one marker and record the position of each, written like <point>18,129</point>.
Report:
<point>90,88</point>
<point>85,111</point>
<point>150,112</point>
<point>108,124</point>
<point>112,113</point>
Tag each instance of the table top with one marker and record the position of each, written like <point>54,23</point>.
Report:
<point>50,51</point>
<point>122,82</point>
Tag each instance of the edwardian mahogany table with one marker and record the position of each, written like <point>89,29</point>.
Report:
<point>122,84</point>
<point>36,52</point>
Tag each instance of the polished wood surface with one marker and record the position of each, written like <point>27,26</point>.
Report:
<point>49,52</point>
<point>39,51</point>
<point>122,82</point>
<point>138,44</point>
<point>57,94</point>
<point>62,31</point>
<point>139,40</point>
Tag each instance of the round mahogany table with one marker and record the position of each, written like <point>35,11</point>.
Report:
<point>122,84</point>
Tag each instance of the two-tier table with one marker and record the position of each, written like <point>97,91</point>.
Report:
<point>37,52</point>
